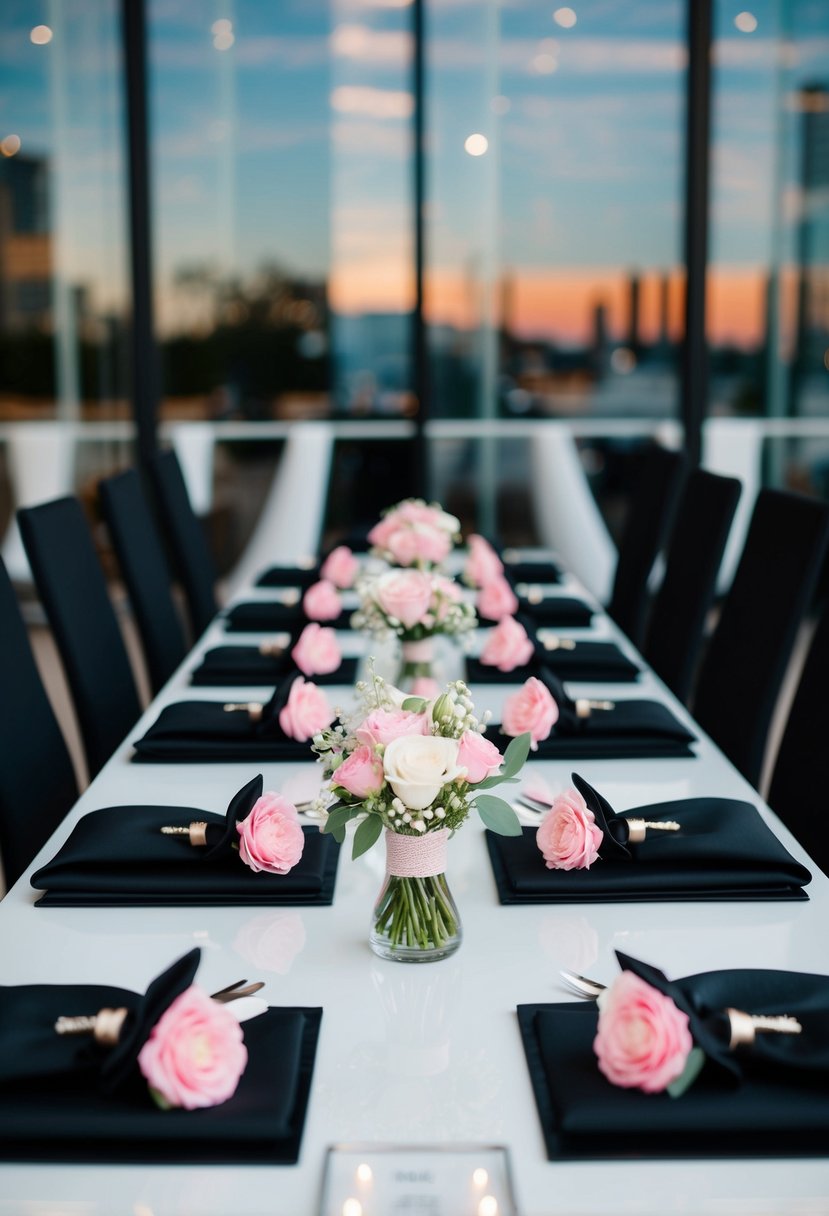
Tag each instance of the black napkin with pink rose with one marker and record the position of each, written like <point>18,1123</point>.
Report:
<point>267,616</point>
<point>225,666</point>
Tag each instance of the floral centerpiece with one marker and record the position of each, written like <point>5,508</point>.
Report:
<point>415,606</point>
<point>414,770</point>
<point>415,533</point>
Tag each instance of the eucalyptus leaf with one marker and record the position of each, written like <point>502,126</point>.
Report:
<point>516,755</point>
<point>414,705</point>
<point>337,819</point>
<point>490,782</point>
<point>689,1074</point>
<point>498,815</point>
<point>366,834</point>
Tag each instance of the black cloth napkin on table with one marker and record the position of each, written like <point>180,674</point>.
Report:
<point>264,616</point>
<point>767,1100</point>
<point>66,1098</point>
<point>118,857</point>
<point>229,665</point>
<point>723,851</point>
<point>532,572</point>
<point>204,732</point>
<point>631,730</point>
<point>589,661</point>
<point>289,576</point>
<point>553,610</point>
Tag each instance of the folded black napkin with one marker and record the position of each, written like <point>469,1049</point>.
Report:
<point>118,857</point>
<point>229,665</point>
<point>264,616</point>
<point>631,730</point>
<point>602,661</point>
<point>723,851</point>
<point>205,732</point>
<point>289,576</point>
<point>554,610</point>
<point>66,1098</point>
<point>769,1100</point>
<point>532,572</point>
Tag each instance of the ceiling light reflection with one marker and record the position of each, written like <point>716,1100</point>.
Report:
<point>544,65</point>
<point>746,22</point>
<point>10,145</point>
<point>565,17</point>
<point>224,41</point>
<point>476,144</point>
<point>40,35</point>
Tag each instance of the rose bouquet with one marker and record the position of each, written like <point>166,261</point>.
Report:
<point>414,605</point>
<point>415,533</point>
<point>415,769</point>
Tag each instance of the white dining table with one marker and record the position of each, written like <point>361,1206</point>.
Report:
<point>414,1055</point>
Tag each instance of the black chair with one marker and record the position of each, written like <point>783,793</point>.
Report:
<point>746,659</point>
<point>801,771</point>
<point>698,539</point>
<point>658,481</point>
<point>145,572</point>
<point>37,780</point>
<point>73,591</point>
<point>191,556</point>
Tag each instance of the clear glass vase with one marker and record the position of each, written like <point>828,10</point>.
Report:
<point>416,665</point>
<point>415,918</point>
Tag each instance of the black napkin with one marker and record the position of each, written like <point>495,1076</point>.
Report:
<point>532,572</point>
<point>777,1107</point>
<point>118,857</point>
<point>602,661</point>
<point>65,1098</point>
<point>631,730</point>
<point>723,851</point>
<point>554,610</point>
<point>289,576</point>
<point>204,732</point>
<point>244,665</point>
<point>264,616</point>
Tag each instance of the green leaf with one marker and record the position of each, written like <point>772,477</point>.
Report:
<point>689,1074</point>
<point>498,815</point>
<point>366,835</point>
<point>490,782</point>
<point>516,755</point>
<point>414,705</point>
<point>338,818</point>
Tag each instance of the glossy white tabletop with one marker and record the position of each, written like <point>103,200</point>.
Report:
<point>413,1054</point>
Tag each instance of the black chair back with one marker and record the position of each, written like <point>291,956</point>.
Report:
<point>659,476</point>
<point>191,556</point>
<point>801,771</point>
<point>73,591</point>
<point>37,780</point>
<point>145,572</point>
<point>677,621</point>
<point>746,659</point>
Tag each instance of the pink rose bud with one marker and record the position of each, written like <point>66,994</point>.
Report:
<point>271,837</point>
<point>306,711</point>
<point>508,646</point>
<point>195,1054</point>
<point>531,709</point>
<point>643,1040</point>
<point>483,564</point>
<point>478,756</point>
<point>340,567</point>
<point>497,600</point>
<point>321,602</point>
<point>383,725</point>
<point>404,595</point>
<point>317,652</point>
<point>568,835</point>
<point>417,544</point>
<point>361,773</point>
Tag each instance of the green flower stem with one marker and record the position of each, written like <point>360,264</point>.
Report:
<point>415,913</point>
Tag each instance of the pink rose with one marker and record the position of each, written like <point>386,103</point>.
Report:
<point>321,602</point>
<point>531,709</point>
<point>483,564</point>
<point>508,646</point>
<point>381,531</point>
<point>271,836</point>
<point>445,591</point>
<point>383,725</point>
<point>340,567</point>
<point>497,600</point>
<point>361,773</point>
<point>478,756</point>
<point>195,1054</point>
<point>404,595</point>
<point>306,711</point>
<point>417,544</point>
<point>568,835</point>
<point>643,1040</point>
<point>316,652</point>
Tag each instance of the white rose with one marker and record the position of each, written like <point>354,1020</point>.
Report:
<point>417,767</point>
